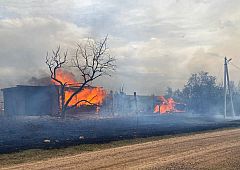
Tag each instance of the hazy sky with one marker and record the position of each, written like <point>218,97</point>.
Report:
<point>157,43</point>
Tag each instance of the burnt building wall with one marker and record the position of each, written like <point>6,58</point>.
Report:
<point>30,100</point>
<point>123,104</point>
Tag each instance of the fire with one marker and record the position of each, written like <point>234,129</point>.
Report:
<point>94,95</point>
<point>65,77</point>
<point>167,106</point>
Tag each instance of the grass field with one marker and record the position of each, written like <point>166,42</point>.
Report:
<point>43,154</point>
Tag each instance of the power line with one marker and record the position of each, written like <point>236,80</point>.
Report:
<point>235,66</point>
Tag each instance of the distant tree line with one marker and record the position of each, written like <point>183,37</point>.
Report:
<point>202,94</point>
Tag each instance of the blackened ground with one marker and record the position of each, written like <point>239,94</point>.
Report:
<point>19,133</point>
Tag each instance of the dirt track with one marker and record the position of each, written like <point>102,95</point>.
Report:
<point>215,150</point>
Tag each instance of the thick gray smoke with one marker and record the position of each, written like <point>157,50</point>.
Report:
<point>157,44</point>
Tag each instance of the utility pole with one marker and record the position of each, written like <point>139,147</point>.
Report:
<point>230,92</point>
<point>227,85</point>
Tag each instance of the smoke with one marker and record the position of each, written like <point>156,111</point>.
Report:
<point>28,40</point>
<point>44,81</point>
<point>156,44</point>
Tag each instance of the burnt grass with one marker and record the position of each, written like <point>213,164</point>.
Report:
<point>22,133</point>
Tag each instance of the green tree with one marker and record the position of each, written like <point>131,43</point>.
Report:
<point>202,94</point>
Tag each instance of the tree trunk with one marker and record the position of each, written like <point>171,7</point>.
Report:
<point>63,107</point>
<point>63,112</point>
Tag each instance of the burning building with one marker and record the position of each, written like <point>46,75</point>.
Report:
<point>168,106</point>
<point>45,100</point>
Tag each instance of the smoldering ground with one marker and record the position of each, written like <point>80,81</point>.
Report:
<point>19,133</point>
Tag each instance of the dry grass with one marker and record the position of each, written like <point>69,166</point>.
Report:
<point>43,154</point>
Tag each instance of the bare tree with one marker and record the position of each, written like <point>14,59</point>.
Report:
<point>55,62</point>
<point>91,59</point>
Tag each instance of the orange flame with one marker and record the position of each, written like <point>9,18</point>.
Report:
<point>93,95</point>
<point>167,106</point>
<point>65,77</point>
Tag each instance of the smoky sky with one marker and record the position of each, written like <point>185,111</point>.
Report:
<point>157,43</point>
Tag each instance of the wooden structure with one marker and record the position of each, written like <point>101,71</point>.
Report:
<point>123,104</point>
<point>30,100</point>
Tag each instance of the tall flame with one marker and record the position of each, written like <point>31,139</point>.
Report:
<point>167,106</point>
<point>94,95</point>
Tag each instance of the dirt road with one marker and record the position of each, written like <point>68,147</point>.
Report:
<point>214,150</point>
